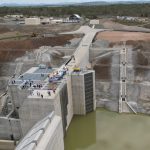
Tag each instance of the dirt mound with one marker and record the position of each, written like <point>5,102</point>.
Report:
<point>4,30</point>
<point>9,50</point>
<point>35,43</point>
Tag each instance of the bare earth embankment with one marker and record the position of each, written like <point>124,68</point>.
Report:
<point>138,69</point>
<point>12,49</point>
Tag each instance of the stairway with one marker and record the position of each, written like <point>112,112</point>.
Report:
<point>124,105</point>
<point>3,106</point>
<point>18,69</point>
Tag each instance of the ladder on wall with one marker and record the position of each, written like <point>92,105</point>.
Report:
<point>124,105</point>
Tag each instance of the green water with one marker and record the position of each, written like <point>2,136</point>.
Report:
<point>104,130</point>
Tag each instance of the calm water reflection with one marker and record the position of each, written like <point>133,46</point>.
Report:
<point>104,130</point>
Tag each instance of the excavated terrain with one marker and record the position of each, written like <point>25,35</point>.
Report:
<point>12,49</point>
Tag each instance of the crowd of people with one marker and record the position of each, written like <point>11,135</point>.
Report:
<point>55,76</point>
<point>42,94</point>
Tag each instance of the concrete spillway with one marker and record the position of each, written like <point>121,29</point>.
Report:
<point>74,94</point>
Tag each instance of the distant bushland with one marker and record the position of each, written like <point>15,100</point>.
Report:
<point>138,10</point>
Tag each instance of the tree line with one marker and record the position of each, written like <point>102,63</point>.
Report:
<point>138,10</point>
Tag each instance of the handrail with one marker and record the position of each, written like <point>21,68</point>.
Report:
<point>131,107</point>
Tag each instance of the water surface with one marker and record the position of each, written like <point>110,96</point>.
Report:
<point>104,130</point>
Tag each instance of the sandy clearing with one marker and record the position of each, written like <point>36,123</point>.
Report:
<point>117,36</point>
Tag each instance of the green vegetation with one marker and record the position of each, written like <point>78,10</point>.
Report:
<point>141,10</point>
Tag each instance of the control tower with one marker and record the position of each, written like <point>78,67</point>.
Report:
<point>83,91</point>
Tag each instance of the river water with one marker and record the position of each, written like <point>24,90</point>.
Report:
<point>104,130</point>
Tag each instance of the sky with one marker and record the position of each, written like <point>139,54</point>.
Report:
<point>51,1</point>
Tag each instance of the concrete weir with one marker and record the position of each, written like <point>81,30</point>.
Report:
<point>73,94</point>
<point>60,93</point>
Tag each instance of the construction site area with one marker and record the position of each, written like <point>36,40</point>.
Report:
<point>54,72</point>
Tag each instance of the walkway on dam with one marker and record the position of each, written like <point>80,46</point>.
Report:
<point>81,54</point>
